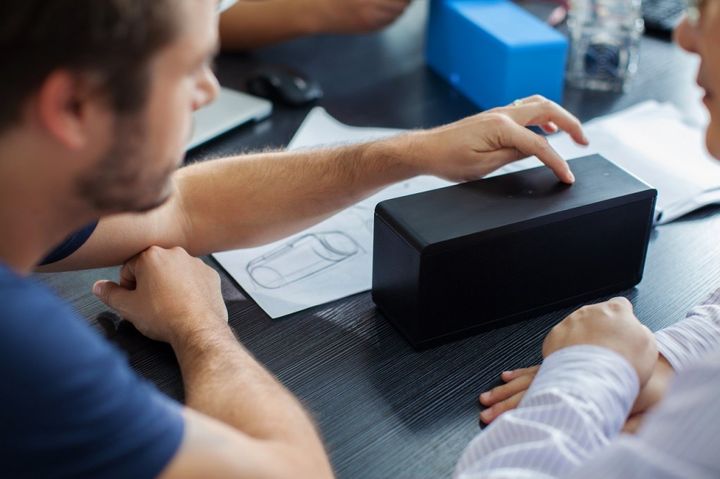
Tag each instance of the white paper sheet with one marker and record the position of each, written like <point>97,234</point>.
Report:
<point>333,259</point>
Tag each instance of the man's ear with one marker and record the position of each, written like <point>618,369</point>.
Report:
<point>69,107</point>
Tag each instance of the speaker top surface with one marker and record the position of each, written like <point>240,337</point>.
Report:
<point>528,196</point>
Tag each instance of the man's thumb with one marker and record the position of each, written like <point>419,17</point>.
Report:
<point>109,293</point>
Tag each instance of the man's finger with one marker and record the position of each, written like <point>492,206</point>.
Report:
<point>541,112</point>
<point>110,293</point>
<point>531,144</point>
<point>127,273</point>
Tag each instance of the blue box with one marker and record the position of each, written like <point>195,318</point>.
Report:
<point>495,52</point>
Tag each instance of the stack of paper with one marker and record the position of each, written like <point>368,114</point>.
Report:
<point>333,259</point>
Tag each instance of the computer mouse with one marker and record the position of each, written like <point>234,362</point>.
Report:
<point>284,85</point>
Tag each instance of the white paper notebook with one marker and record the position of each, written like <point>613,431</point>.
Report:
<point>333,259</point>
<point>651,141</point>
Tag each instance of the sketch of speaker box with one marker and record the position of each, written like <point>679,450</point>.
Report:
<point>302,258</point>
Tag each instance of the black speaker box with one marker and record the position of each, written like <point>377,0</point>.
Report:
<point>454,261</point>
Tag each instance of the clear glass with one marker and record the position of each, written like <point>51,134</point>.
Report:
<point>604,43</point>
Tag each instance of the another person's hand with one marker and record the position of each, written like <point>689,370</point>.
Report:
<point>353,16</point>
<point>517,381</point>
<point>509,395</point>
<point>611,325</point>
<point>475,146</point>
<point>167,294</point>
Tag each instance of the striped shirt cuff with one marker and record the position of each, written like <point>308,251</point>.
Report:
<point>598,377</point>
<point>689,340</point>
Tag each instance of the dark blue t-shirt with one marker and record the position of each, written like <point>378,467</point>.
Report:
<point>69,405</point>
<point>71,244</point>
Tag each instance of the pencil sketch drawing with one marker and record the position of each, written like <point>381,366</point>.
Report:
<point>301,258</point>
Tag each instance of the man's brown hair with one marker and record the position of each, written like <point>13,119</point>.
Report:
<point>109,40</point>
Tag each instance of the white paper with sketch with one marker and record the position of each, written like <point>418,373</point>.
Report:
<point>334,258</point>
<point>330,260</point>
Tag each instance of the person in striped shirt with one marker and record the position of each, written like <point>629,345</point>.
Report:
<point>611,399</point>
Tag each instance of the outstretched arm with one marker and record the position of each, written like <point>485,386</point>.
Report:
<point>250,200</point>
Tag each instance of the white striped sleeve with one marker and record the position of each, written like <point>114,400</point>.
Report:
<point>689,340</point>
<point>678,439</point>
<point>579,400</point>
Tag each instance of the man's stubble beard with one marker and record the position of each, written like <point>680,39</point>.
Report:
<point>123,180</point>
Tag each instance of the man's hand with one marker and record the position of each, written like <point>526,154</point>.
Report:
<point>166,294</point>
<point>475,146</point>
<point>239,421</point>
<point>508,396</point>
<point>353,16</point>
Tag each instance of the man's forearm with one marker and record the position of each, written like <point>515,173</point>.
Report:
<point>249,201</point>
<point>222,380</point>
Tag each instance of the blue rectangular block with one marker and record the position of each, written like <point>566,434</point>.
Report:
<point>494,51</point>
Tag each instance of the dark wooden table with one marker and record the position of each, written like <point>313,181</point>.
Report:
<point>384,409</point>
